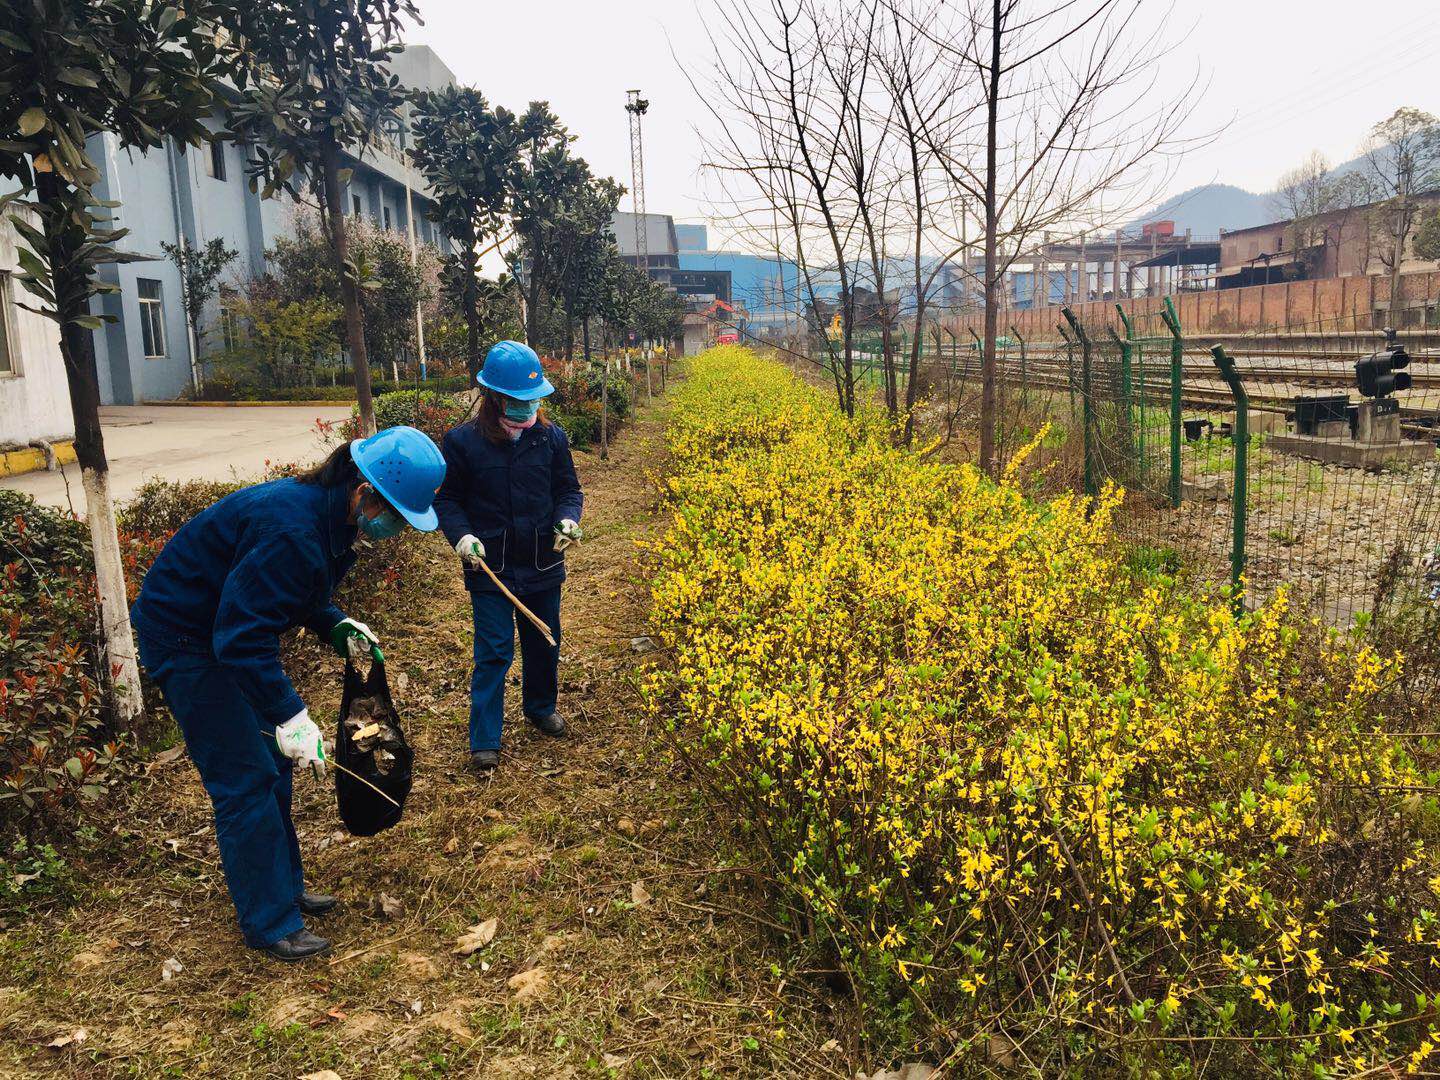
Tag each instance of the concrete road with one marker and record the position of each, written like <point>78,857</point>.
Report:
<point>188,443</point>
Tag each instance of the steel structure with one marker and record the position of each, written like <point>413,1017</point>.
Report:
<point>636,106</point>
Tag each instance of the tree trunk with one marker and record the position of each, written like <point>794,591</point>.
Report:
<point>992,283</point>
<point>77,346</point>
<point>1401,228</point>
<point>605,411</point>
<point>349,288</point>
<point>532,299</point>
<point>472,314</point>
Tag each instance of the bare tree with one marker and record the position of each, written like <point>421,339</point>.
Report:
<point>827,112</point>
<point>1302,196</point>
<point>1075,130</point>
<point>1402,160</point>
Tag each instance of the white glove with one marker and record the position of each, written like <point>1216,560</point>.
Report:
<point>300,741</point>
<point>470,550</point>
<point>359,640</point>
<point>568,532</point>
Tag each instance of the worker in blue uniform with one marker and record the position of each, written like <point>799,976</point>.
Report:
<point>511,498</point>
<point>209,616</point>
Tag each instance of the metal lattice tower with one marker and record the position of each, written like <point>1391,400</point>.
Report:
<point>636,107</point>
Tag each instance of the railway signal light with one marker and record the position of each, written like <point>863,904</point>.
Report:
<point>1379,373</point>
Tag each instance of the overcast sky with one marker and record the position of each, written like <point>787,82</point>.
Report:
<point>1285,77</point>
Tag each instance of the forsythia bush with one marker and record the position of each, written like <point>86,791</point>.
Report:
<point>1041,811</point>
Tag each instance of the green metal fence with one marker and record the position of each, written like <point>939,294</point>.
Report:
<point>1214,440</point>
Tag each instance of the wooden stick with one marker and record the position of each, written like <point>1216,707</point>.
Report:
<point>539,623</point>
<point>367,783</point>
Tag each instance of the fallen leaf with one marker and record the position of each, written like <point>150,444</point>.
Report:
<point>830,1046</point>
<point>626,826</point>
<point>452,845</point>
<point>170,969</point>
<point>419,966</point>
<point>74,1038</point>
<point>389,906</point>
<point>477,937</point>
<point>83,961</point>
<point>639,895</point>
<point>323,1074</point>
<point>529,984</point>
<point>612,1061</point>
<point>165,757</point>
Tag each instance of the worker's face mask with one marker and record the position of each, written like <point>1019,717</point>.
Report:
<point>381,525</point>
<point>520,411</point>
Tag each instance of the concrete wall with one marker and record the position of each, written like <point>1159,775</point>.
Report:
<point>34,400</point>
<point>1332,303</point>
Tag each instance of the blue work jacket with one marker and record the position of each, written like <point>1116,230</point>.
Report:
<point>510,498</point>
<point>237,575</point>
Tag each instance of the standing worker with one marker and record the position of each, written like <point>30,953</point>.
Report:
<point>511,500</point>
<point>262,561</point>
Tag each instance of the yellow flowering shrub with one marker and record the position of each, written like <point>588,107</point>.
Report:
<point>1027,797</point>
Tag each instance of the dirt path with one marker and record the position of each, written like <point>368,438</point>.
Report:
<point>622,946</point>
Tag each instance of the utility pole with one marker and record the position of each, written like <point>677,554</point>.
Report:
<point>414,254</point>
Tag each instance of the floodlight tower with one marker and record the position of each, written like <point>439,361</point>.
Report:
<point>636,106</point>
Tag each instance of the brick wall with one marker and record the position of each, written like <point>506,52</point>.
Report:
<point>1294,304</point>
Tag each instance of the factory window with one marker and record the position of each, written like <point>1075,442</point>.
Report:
<point>355,205</point>
<point>216,166</point>
<point>152,317</point>
<point>386,212</point>
<point>7,358</point>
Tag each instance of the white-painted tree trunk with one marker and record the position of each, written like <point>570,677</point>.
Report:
<point>124,672</point>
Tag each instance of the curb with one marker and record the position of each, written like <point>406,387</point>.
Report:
<point>16,462</point>
<point>249,404</point>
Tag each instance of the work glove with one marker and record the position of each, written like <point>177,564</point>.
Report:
<point>300,740</point>
<point>355,640</point>
<point>470,550</point>
<point>568,532</point>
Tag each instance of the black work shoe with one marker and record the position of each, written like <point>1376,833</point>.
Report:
<point>552,725</point>
<point>297,946</point>
<point>314,903</point>
<point>484,760</point>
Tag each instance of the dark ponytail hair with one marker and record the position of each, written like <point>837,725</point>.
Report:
<point>337,470</point>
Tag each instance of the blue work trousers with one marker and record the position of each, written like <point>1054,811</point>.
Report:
<point>496,621</point>
<point>248,782</point>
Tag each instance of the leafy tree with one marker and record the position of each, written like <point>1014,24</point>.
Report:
<point>548,178</point>
<point>581,246</point>
<point>302,266</point>
<point>199,280</point>
<point>1426,244</point>
<point>1403,160</point>
<point>70,69</point>
<point>316,82</point>
<point>284,339</point>
<point>469,156</point>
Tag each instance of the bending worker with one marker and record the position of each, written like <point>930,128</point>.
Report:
<point>512,500</point>
<point>262,561</point>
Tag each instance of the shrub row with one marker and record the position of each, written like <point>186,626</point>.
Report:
<point>1038,810</point>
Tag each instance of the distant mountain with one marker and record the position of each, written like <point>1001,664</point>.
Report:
<point>1207,209</point>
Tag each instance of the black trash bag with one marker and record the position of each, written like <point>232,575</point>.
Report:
<point>370,743</point>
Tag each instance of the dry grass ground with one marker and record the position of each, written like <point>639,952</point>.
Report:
<point>625,945</point>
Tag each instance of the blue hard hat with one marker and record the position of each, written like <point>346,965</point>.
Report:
<point>512,368</point>
<point>405,466</point>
